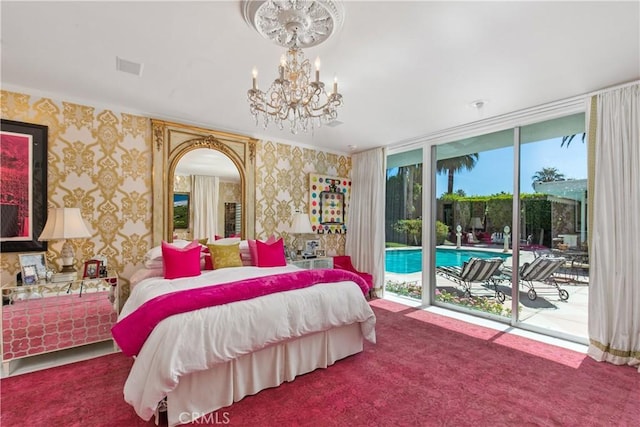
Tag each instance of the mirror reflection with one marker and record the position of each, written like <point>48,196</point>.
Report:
<point>213,189</point>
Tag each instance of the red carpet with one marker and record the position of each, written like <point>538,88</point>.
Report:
<point>425,370</point>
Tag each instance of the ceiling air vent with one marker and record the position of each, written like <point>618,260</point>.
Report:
<point>128,66</point>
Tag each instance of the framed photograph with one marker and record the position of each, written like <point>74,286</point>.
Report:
<point>33,267</point>
<point>91,269</point>
<point>23,186</point>
<point>320,252</point>
<point>180,210</point>
<point>310,246</point>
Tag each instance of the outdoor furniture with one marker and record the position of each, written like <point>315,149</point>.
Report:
<point>476,270</point>
<point>577,263</point>
<point>497,238</point>
<point>542,270</point>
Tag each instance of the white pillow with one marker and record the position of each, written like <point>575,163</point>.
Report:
<point>245,253</point>
<point>154,263</point>
<point>156,252</point>
<point>144,273</point>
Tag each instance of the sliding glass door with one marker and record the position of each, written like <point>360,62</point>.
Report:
<point>517,201</point>
<point>474,187</point>
<point>403,225</point>
<point>553,256</point>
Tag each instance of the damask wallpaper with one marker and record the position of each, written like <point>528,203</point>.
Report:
<point>100,161</point>
<point>282,187</point>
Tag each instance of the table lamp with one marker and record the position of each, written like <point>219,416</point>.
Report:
<point>301,225</point>
<point>65,224</point>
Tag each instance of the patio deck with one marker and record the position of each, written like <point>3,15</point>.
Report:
<point>546,311</point>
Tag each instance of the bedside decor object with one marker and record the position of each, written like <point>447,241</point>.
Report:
<point>310,247</point>
<point>91,269</point>
<point>65,224</point>
<point>33,267</point>
<point>301,225</point>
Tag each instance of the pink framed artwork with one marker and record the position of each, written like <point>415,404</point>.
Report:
<point>23,186</point>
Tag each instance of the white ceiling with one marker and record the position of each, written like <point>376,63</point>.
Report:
<point>405,69</point>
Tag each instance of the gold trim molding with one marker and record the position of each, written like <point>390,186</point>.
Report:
<point>174,140</point>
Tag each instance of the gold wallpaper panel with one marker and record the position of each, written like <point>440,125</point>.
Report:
<point>282,187</point>
<point>100,162</point>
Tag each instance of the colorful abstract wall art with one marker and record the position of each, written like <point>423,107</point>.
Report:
<point>328,203</point>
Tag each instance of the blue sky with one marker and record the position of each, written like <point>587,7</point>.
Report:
<point>494,171</point>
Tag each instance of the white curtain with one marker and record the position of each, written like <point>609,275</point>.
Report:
<point>204,196</point>
<point>365,223</point>
<point>614,281</point>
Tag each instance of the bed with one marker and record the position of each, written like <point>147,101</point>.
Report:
<point>199,361</point>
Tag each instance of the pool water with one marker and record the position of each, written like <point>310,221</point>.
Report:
<point>406,261</point>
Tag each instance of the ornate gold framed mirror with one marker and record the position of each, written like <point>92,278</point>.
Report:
<point>171,142</point>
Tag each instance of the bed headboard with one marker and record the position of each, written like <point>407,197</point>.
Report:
<point>171,141</point>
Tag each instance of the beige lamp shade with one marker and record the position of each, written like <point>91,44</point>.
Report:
<point>301,224</point>
<point>64,223</point>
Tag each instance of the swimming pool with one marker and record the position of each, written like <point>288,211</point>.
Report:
<point>406,261</point>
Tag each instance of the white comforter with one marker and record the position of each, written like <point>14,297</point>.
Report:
<point>197,340</point>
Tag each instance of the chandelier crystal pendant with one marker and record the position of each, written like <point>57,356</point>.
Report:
<point>296,96</point>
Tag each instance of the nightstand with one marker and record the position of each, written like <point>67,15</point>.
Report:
<point>46,317</point>
<point>313,263</point>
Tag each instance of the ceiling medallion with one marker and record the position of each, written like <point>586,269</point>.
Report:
<point>295,95</point>
<point>313,21</point>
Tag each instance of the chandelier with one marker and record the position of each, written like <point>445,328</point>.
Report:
<point>296,96</point>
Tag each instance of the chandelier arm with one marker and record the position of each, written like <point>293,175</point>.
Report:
<point>294,96</point>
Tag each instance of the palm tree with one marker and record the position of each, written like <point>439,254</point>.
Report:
<point>547,175</point>
<point>454,165</point>
<point>567,139</point>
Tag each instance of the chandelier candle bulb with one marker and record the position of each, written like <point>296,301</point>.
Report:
<point>295,97</point>
<point>254,73</point>
<point>335,84</point>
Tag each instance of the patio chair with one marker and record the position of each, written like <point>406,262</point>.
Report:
<point>476,270</point>
<point>541,269</point>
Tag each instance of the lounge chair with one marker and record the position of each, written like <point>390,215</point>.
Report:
<point>476,270</point>
<point>343,262</point>
<point>541,269</point>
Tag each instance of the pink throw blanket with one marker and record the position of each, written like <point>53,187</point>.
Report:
<point>131,332</point>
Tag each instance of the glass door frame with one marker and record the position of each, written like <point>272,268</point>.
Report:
<point>511,121</point>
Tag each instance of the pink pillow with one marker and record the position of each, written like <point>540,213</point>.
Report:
<point>181,262</point>
<point>271,255</point>
<point>253,250</point>
<point>208,263</point>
